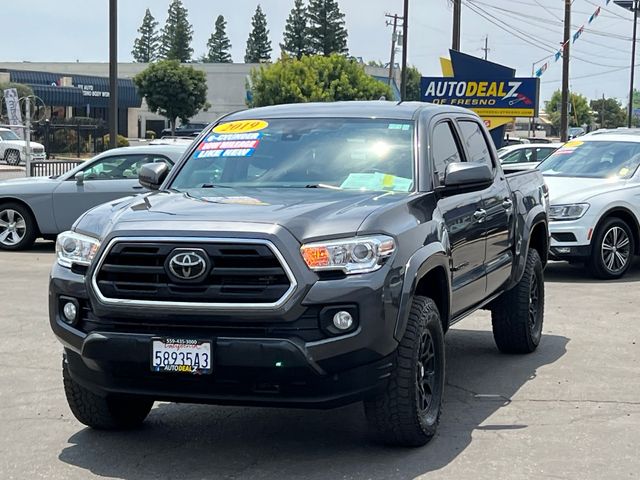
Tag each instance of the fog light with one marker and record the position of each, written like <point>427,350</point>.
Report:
<point>342,320</point>
<point>70,312</point>
<point>563,250</point>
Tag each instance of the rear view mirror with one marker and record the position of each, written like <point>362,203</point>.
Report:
<point>79,178</point>
<point>151,175</point>
<point>468,176</point>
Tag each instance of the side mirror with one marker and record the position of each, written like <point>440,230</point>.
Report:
<point>467,176</point>
<point>151,175</point>
<point>79,178</point>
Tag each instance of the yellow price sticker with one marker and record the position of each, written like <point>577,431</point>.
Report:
<point>573,143</point>
<point>241,126</point>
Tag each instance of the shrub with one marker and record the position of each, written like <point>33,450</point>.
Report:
<point>150,135</point>
<point>121,141</point>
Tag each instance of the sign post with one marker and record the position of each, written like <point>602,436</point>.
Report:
<point>27,135</point>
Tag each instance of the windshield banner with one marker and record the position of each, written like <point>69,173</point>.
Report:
<point>13,111</point>
<point>512,97</point>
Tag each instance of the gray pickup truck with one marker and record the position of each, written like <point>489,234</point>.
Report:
<point>302,255</point>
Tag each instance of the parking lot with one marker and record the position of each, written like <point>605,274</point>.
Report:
<point>570,410</point>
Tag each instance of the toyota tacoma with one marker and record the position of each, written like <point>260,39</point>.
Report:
<point>306,255</point>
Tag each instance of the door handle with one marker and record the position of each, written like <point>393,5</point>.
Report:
<point>479,215</point>
<point>507,204</point>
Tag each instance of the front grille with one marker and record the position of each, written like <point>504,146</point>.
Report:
<point>241,273</point>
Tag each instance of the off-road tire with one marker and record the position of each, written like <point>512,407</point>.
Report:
<point>12,157</point>
<point>596,263</point>
<point>397,416</point>
<point>516,316</point>
<point>31,227</point>
<point>103,413</point>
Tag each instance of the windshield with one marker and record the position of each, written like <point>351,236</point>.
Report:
<point>593,160</point>
<point>345,153</point>
<point>8,135</point>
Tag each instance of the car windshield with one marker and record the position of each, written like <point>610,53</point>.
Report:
<point>8,135</point>
<point>347,153</point>
<point>594,159</point>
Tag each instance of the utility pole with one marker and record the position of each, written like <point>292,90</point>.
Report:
<point>564,108</point>
<point>405,41</point>
<point>457,14</point>
<point>486,47</point>
<point>113,73</point>
<point>394,39</point>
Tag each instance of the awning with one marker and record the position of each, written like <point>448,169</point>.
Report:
<point>59,96</point>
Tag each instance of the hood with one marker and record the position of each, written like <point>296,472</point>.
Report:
<point>306,213</point>
<point>22,144</point>
<point>17,182</point>
<point>564,190</point>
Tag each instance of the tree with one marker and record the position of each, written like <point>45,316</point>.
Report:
<point>608,113</point>
<point>145,47</point>
<point>219,44</point>
<point>327,32</point>
<point>296,32</point>
<point>258,43</point>
<point>175,42</point>
<point>413,84</point>
<point>173,90</point>
<point>313,79</point>
<point>580,111</point>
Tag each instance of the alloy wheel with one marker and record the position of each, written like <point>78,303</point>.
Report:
<point>534,302</point>
<point>13,227</point>
<point>615,249</point>
<point>426,372</point>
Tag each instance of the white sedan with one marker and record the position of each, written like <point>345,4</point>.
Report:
<point>525,156</point>
<point>594,187</point>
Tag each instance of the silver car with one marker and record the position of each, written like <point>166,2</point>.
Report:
<point>35,207</point>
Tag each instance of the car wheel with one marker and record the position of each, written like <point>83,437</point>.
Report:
<point>103,413</point>
<point>612,250</point>
<point>12,157</point>
<point>517,315</point>
<point>18,229</point>
<point>407,413</point>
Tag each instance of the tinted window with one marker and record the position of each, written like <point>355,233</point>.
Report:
<point>519,156</point>
<point>120,167</point>
<point>543,153</point>
<point>445,149</point>
<point>342,153</point>
<point>477,146</point>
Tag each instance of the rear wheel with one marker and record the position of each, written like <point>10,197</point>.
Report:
<point>103,413</point>
<point>612,250</point>
<point>18,229</point>
<point>407,413</point>
<point>12,157</point>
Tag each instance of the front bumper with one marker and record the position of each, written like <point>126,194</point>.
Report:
<point>254,364</point>
<point>570,240</point>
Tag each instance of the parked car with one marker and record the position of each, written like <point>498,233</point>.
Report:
<point>302,255</point>
<point>539,140</point>
<point>575,132</point>
<point>191,129</point>
<point>13,148</point>
<point>514,141</point>
<point>526,156</point>
<point>594,186</point>
<point>35,207</point>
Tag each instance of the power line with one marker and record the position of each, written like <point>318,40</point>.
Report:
<point>547,10</point>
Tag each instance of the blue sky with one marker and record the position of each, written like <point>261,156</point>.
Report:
<point>69,30</point>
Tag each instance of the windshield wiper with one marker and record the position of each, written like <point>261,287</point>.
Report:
<point>322,185</point>
<point>211,185</point>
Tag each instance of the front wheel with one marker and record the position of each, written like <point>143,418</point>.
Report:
<point>612,250</point>
<point>18,229</point>
<point>407,413</point>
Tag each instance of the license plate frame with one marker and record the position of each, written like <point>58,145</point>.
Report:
<point>193,356</point>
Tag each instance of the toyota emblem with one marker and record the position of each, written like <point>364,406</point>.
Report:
<point>188,264</point>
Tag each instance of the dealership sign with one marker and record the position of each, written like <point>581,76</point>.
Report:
<point>509,97</point>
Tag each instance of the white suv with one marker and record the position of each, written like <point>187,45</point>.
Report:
<point>13,150</point>
<point>594,187</point>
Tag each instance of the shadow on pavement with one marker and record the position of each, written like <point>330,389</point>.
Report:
<point>194,441</point>
<point>564,272</point>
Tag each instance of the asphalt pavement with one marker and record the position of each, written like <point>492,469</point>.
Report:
<point>571,410</point>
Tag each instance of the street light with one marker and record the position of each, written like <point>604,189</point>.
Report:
<point>631,5</point>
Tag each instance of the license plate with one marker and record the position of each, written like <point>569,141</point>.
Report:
<point>181,355</point>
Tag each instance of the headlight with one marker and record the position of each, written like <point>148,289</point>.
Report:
<point>568,212</point>
<point>73,247</point>
<point>351,255</point>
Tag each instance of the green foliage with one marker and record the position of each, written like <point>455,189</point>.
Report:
<point>580,110</point>
<point>314,79</point>
<point>610,111</point>
<point>219,44</point>
<point>150,135</point>
<point>258,43</point>
<point>327,32</point>
<point>375,63</point>
<point>121,141</point>
<point>296,32</point>
<point>175,41</point>
<point>145,47</point>
<point>172,90</point>
<point>413,84</point>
